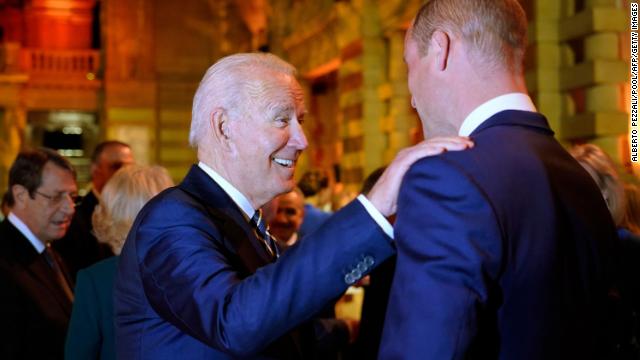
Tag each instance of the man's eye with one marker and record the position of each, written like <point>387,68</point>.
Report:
<point>282,120</point>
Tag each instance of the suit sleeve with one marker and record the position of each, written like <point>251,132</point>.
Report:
<point>449,255</point>
<point>192,281</point>
<point>83,336</point>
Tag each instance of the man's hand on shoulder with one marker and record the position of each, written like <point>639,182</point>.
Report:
<point>384,194</point>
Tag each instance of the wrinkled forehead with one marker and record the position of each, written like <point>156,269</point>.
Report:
<point>273,91</point>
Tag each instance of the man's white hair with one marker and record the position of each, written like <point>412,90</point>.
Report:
<point>231,84</point>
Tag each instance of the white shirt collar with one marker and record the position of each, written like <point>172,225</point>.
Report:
<point>512,101</point>
<point>24,229</point>
<point>237,197</point>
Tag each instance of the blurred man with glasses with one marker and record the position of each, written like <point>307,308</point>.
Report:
<point>35,288</point>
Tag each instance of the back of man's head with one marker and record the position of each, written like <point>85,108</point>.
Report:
<point>495,30</point>
<point>233,83</point>
<point>28,166</point>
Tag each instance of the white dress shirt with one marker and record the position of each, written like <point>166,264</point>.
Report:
<point>512,101</point>
<point>246,207</point>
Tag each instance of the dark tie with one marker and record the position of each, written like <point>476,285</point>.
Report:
<point>54,263</point>
<point>263,234</point>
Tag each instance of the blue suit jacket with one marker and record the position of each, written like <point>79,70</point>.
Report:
<point>194,282</point>
<point>313,219</point>
<point>503,251</point>
<point>91,329</point>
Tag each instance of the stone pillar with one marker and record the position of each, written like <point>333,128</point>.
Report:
<point>401,122</point>
<point>374,61</point>
<point>350,92</point>
<point>594,74</point>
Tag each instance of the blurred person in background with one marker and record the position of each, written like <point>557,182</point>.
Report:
<point>80,248</point>
<point>625,296</point>
<point>631,219</point>
<point>313,184</point>
<point>288,217</point>
<point>332,335</point>
<point>91,329</point>
<point>36,290</point>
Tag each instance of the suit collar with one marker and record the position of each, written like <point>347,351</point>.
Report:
<point>515,118</point>
<point>16,248</point>
<point>26,232</point>
<point>200,185</point>
<point>238,197</point>
<point>232,220</point>
<point>510,101</point>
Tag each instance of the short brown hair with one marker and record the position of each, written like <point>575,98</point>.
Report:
<point>27,169</point>
<point>496,30</point>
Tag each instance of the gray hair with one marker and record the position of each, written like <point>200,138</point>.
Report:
<point>232,83</point>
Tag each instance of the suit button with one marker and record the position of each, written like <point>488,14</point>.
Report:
<point>368,260</point>
<point>349,279</point>
<point>362,267</point>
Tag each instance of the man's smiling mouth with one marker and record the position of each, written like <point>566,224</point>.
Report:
<point>283,162</point>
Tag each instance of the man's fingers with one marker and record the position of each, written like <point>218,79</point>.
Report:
<point>451,143</point>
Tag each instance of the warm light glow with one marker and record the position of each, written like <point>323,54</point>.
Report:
<point>91,76</point>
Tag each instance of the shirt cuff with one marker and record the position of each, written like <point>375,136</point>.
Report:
<point>376,215</point>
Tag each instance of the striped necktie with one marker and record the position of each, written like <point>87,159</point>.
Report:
<point>263,234</point>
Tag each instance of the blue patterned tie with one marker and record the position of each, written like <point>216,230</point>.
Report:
<point>263,234</point>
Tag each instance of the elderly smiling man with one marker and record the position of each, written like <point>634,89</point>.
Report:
<point>198,276</point>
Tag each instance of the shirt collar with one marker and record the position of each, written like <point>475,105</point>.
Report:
<point>24,229</point>
<point>237,197</point>
<point>512,101</point>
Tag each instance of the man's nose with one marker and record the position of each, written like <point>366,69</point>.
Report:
<point>68,204</point>
<point>298,139</point>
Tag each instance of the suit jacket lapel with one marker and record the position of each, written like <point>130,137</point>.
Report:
<point>233,224</point>
<point>35,266</point>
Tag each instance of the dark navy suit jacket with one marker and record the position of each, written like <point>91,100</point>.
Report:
<point>503,251</point>
<point>34,311</point>
<point>194,282</point>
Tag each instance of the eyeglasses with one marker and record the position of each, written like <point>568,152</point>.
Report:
<point>56,199</point>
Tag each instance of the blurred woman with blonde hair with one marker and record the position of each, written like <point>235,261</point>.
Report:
<point>602,169</point>
<point>625,295</point>
<point>91,329</point>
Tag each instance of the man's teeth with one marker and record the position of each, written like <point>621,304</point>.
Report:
<point>283,162</point>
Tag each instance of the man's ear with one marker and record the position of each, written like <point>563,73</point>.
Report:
<point>441,45</point>
<point>20,194</point>
<point>220,126</point>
